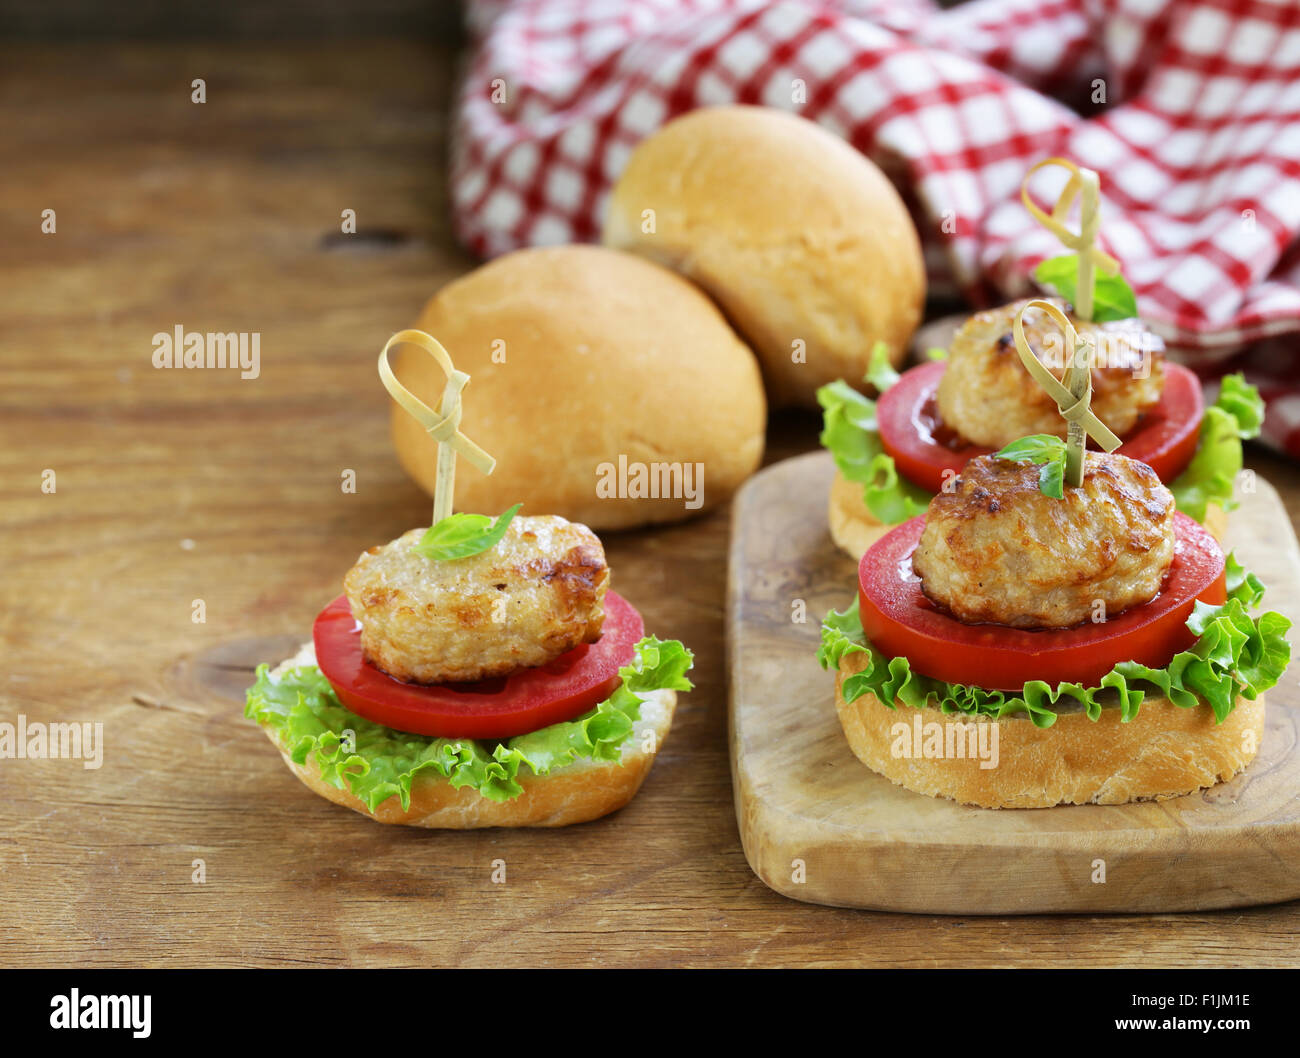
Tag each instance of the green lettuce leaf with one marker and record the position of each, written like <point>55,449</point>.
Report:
<point>850,433</point>
<point>1234,655</point>
<point>1235,416</point>
<point>880,372</point>
<point>375,762</point>
<point>462,535</point>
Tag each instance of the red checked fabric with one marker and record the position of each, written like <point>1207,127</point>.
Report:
<point>1189,109</point>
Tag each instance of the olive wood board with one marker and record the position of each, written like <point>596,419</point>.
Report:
<point>817,825</point>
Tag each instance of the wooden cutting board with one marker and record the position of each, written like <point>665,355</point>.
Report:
<point>818,825</point>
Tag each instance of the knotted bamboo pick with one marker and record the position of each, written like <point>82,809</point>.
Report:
<point>444,424</point>
<point>1074,397</point>
<point>1084,185</point>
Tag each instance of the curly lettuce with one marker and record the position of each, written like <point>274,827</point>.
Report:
<point>375,762</point>
<point>1235,655</point>
<point>850,433</point>
<point>1235,416</point>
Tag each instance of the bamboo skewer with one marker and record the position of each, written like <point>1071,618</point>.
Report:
<point>444,424</point>
<point>1074,397</point>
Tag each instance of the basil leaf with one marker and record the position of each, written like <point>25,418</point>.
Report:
<point>1051,479</point>
<point>463,535</point>
<point>1045,449</point>
<point>1112,297</point>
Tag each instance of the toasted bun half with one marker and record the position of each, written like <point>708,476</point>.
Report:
<point>576,793</point>
<point>1216,523</point>
<point>1165,751</point>
<point>798,236</point>
<point>599,381</point>
<point>853,527</point>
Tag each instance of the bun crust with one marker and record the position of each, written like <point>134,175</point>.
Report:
<point>1165,751</point>
<point>580,355</point>
<point>853,527</point>
<point>1216,522</point>
<point>792,231</point>
<point>576,793</point>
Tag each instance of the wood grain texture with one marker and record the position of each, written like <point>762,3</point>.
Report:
<point>229,217</point>
<point>803,798</point>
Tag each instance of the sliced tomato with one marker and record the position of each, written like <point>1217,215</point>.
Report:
<point>1167,436</point>
<point>928,452</point>
<point>925,451</point>
<point>901,622</point>
<point>498,708</point>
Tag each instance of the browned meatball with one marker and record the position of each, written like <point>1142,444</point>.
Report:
<point>537,594</point>
<point>996,549</point>
<point>988,397</point>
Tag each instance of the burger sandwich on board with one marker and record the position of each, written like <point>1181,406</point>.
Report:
<point>1050,628</point>
<point>896,452</point>
<point>479,672</point>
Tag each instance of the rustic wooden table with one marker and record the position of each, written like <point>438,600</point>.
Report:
<point>174,486</point>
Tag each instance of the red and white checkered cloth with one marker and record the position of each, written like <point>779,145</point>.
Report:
<point>1189,109</point>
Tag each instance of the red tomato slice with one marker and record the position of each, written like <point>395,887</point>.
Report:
<point>901,622</point>
<point>494,709</point>
<point>928,452</point>
<point>925,451</point>
<point>1168,434</point>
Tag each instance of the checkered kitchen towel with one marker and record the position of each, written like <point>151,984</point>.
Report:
<point>1189,109</point>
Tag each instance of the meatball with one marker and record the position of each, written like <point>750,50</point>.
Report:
<point>997,549</point>
<point>988,397</point>
<point>537,594</point>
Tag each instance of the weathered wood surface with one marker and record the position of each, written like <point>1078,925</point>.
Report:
<point>226,216</point>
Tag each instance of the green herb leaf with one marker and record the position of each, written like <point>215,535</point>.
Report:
<point>375,762</point>
<point>936,352</point>
<point>463,535</point>
<point>1044,449</point>
<point>1112,297</point>
<point>1234,656</point>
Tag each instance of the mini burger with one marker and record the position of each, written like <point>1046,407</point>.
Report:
<point>1053,605</point>
<point>895,452</point>
<point>480,672</point>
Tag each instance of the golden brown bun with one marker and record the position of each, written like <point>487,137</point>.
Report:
<point>605,355</point>
<point>1216,523</point>
<point>853,527</point>
<point>1165,751</point>
<point>576,793</point>
<point>793,232</point>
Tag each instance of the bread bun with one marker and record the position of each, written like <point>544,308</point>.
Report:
<point>578,792</point>
<point>1216,523</point>
<point>793,232</point>
<point>853,527</point>
<point>1165,751</point>
<point>598,354</point>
